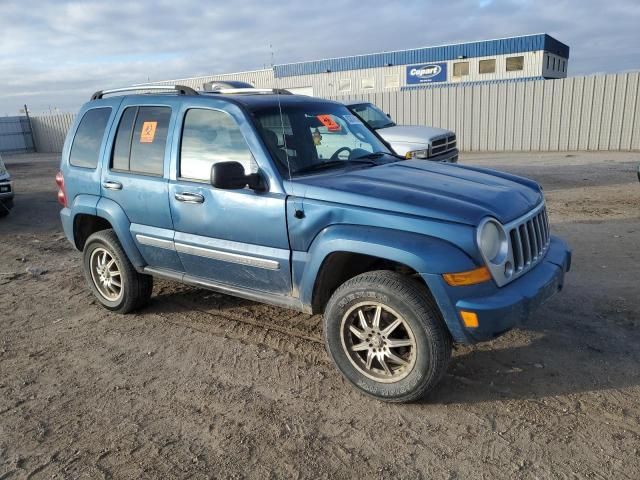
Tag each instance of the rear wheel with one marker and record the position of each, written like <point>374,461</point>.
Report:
<point>386,336</point>
<point>111,276</point>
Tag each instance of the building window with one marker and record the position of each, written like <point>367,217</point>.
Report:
<point>367,83</point>
<point>461,69</point>
<point>391,81</point>
<point>487,66</point>
<point>554,63</point>
<point>564,66</point>
<point>344,85</point>
<point>515,64</point>
<point>548,60</point>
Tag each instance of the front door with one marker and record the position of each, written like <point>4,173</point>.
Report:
<point>234,237</point>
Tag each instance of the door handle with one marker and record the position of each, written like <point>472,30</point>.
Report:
<point>188,197</point>
<point>112,185</point>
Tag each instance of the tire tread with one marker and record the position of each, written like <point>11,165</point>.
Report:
<point>421,301</point>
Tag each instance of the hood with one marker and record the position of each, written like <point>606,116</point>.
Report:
<point>441,191</point>
<point>411,134</point>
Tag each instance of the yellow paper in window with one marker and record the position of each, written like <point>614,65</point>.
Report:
<point>148,132</point>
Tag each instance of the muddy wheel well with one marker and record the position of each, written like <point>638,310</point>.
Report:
<point>85,225</point>
<point>339,267</point>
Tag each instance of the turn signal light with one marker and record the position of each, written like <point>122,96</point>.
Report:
<point>470,277</point>
<point>470,319</point>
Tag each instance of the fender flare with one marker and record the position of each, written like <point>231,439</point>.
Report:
<point>422,253</point>
<point>113,213</point>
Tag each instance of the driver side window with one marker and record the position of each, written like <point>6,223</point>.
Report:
<point>209,137</point>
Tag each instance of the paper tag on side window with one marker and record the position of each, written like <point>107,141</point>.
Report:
<point>148,132</point>
<point>329,122</point>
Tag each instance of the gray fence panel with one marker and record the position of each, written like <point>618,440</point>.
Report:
<point>581,113</point>
<point>15,135</point>
<point>629,111</point>
<point>50,131</point>
<point>635,132</point>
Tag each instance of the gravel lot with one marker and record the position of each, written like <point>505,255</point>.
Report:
<point>204,385</point>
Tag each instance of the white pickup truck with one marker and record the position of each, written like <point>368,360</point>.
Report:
<point>428,143</point>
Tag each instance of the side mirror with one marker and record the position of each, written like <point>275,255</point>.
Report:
<point>388,115</point>
<point>231,176</point>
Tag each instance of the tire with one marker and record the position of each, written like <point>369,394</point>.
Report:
<point>135,288</point>
<point>423,339</point>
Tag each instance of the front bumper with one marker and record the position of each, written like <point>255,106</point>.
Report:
<point>6,195</point>
<point>6,190</point>
<point>501,309</point>
<point>449,157</point>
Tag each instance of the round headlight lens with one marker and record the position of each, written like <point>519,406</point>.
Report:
<point>492,239</point>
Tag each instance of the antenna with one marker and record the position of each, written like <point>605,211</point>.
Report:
<point>284,136</point>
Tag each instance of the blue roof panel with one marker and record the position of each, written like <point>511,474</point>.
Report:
<point>528,43</point>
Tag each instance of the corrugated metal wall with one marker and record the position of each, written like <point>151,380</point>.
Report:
<point>503,46</point>
<point>15,135</point>
<point>327,84</point>
<point>600,112</point>
<point>49,131</point>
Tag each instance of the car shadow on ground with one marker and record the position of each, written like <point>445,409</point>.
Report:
<point>544,359</point>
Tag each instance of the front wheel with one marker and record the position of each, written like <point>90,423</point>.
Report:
<point>386,336</point>
<point>111,276</point>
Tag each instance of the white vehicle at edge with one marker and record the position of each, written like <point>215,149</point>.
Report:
<point>6,190</point>
<point>428,143</point>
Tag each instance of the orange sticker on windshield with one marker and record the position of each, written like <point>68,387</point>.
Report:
<point>329,122</point>
<point>148,132</point>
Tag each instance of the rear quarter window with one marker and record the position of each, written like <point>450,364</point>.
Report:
<point>85,149</point>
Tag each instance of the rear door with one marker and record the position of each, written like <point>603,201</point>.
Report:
<point>235,237</point>
<point>137,176</point>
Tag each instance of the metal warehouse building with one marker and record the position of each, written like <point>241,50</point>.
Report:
<point>516,58</point>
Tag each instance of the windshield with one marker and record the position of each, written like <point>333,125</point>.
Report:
<point>3,169</point>
<point>317,136</point>
<point>371,114</point>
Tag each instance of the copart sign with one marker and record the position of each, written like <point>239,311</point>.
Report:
<point>426,73</point>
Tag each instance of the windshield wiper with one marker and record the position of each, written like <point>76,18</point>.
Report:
<point>333,163</point>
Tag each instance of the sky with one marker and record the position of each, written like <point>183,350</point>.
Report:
<point>54,53</point>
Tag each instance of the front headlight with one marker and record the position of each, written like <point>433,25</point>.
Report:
<point>492,242</point>
<point>421,154</point>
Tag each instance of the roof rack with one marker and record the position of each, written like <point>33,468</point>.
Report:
<point>216,85</point>
<point>180,89</point>
<point>237,87</point>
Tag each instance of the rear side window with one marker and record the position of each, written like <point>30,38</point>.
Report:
<point>141,140</point>
<point>85,150</point>
<point>208,137</point>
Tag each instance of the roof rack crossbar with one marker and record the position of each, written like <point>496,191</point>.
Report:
<point>181,89</point>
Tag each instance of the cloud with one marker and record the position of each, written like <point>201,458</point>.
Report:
<point>56,53</point>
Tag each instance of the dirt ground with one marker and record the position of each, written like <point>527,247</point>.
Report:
<point>204,385</point>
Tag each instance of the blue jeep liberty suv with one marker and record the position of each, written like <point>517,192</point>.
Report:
<point>293,201</point>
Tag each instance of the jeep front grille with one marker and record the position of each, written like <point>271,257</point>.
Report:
<point>442,145</point>
<point>529,237</point>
